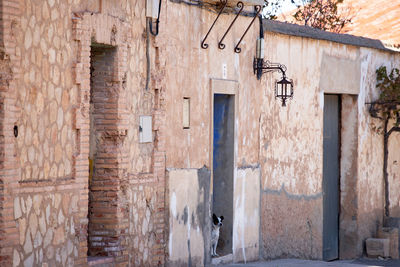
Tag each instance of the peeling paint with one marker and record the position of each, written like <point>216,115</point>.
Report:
<point>190,229</point>
<point>321,100</point>
<point>173,204</point>
<point>246,214</point>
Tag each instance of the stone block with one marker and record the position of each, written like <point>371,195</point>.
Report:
<point>391,222</point>
<point>393,235</point>
<point>17,208</point>
<point>377,247</point>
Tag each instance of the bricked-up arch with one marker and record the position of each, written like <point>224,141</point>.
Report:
<point>102,39</point>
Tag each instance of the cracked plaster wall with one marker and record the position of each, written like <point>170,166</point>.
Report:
<point>291,147</point>
<point>288,140</point>
<point>188,150</point>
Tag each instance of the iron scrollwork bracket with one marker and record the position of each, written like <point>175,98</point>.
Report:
<point>240,5</point>
<point>204,45</point>
<point>237,48</point>
<point>264,66</point>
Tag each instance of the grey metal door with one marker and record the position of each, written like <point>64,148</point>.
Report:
<point>330,182</point>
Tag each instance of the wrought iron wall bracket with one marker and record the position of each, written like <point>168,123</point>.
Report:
<point>204,45</point>
<point>264,66</point>
<point>237,48</point>
<point>241,6</point>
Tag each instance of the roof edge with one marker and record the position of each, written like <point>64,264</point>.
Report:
<point>309,32</point>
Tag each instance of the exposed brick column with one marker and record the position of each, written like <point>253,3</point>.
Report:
<point>159,164</point>
<point>81,33</point>
<point>108,226</point>
<point>122,121</point>
<point>9,112</point>
<point>159,174</point>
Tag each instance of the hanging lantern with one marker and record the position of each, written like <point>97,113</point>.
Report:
<point>284,87</point>
<point>284,90</point>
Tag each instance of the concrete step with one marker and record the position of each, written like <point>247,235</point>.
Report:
<point>101,261</point>
<point>393,222</point>
<point>391,233</point>
<point>377,247</point>
<point>222,260</point>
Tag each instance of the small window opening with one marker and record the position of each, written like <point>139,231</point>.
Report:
<point>186,113</point>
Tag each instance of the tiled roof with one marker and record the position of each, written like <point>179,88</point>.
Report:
<point>377,19</point>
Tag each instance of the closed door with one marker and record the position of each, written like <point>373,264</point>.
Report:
<point>331,178</point>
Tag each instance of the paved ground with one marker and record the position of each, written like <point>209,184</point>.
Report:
<point>309,263</point>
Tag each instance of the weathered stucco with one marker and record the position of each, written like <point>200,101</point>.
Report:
<point>198,74</point>
<point>370,148</point>
<point>246,225</point>
<point>189,217</point>
<point>190,77</point>
<point>336,80</point>
<point>288,140</point>
<point>291,146</point>
<point>349,245</point>
<point>394,174</point>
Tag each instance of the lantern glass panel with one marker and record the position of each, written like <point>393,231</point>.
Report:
<point>284,90</point>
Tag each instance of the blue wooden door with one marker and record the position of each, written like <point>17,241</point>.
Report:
<point>330,182</point>
<point>223,165</point>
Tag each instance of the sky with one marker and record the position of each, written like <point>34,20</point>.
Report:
<point>286,5</point>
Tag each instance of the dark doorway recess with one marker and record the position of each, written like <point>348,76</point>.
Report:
<point>102,236</point>
<point>223,163</point>
<point>331,176</point>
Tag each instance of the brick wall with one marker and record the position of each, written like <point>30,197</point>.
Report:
<point>106,226</point>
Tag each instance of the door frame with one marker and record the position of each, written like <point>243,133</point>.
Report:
<point>227,87</point>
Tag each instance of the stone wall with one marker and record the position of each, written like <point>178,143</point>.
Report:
<point>144,241</point>
<point>48,229</point>
<point>45,92</point>
<point>46,137</point>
